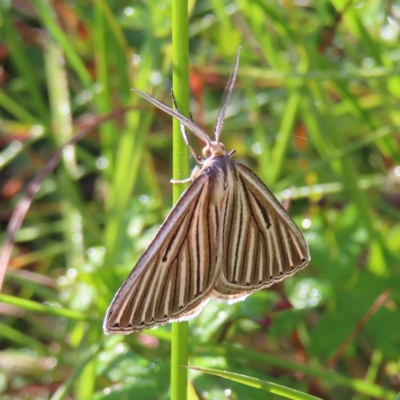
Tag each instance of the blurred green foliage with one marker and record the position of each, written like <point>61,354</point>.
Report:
<point>315,111</point>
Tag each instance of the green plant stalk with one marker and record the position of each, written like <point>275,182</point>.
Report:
<point>180,74</point>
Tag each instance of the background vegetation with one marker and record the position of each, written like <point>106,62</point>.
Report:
<point>315,113</point>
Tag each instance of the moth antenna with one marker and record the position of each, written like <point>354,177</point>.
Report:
<point>219,122</point>
<point>183,130</point>
<point>176,114</point>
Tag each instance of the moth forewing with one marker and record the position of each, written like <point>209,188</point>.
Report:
<point>165,283</point>
<point>226,237</point>
<point>262,243</point>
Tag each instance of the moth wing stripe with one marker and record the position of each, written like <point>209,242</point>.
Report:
<point>250,263</point>
<point>175,288</point>
<point>294,241</point>
<point>254,181</point>
<point>244,260</point>
<point>199,256</point>
<point>263,222</point>
<point>189,292</point>
<point>160,278</point>
<point>166,301</point>
<point>193,247</point>
<point>237,236</point>
<point>265,232</point>
<point>270,255</point>
<point>182,282</point>
<point>125,301</point>
<point>151,282</point>
<point>167,270</point>
<point>256,253</point>
<point>261,261</point>
<point>231,207</point>
<point>138,300</point>
<point>162,272</point>
<point>201,238</point>
<point>288,252</point>
<point>224,233</point>
<point>211,219</point>
<point>251,205</point>
<point>277,252</point>
<point>244,231</point>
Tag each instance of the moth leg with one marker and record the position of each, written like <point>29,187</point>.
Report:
<point>195,173</point>
<point>183,130</point>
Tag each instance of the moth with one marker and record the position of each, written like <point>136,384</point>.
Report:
<point>226,237</point>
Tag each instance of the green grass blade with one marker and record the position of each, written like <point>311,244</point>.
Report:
<point>270,387</point>
<point>48,310</point>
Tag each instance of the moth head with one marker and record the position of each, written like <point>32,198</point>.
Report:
<point>214,149</point>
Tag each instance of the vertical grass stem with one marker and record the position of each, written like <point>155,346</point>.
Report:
<point>180,57</point>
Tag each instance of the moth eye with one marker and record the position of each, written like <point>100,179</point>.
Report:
<point>222,146</point>
<point>206,152</point>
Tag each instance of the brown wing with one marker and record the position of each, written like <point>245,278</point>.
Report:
<point>174,277</point>
<point>261,243</point>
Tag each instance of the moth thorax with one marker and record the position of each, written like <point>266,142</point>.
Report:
<point>215,149</point>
